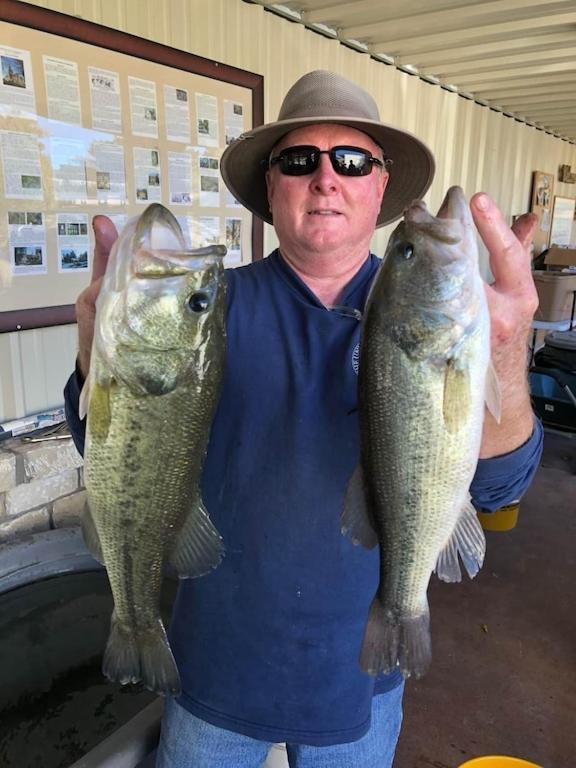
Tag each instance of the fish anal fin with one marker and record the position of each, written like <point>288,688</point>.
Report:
<point>198,548</point>
<point>355,522</point>
<point>90,535</point>
<point>467,542</point>
<point>493,395</point>
<point>457,396</point>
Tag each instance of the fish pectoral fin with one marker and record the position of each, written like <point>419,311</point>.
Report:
<point>457,396</point>
<point>198,548</point>
<point>356,522</point>
<point>493,395</point>
<point>468,542</point>
<point>90,535</point>
<point>84,398</point>
<point>100,412</point>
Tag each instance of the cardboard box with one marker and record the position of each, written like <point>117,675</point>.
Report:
<point>556,293</point>
<point>561,257</point>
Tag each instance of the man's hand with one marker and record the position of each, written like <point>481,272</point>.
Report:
<point>512,301</point>
<point>105,235</point>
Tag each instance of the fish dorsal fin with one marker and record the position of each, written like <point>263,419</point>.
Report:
<point>467,541</point>
<point>493,395</point>
<point>457,396</point>
<point>355,522</point>
<point>199,546</point>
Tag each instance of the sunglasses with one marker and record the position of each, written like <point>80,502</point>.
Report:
<point>346,161</point>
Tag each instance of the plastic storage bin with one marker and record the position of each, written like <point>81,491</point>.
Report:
<point>556,295</point>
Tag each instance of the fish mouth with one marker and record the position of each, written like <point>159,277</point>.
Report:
<point>454,206</point>
<point>448,225</point>
<point>158,228</point>
<point>160,264</point>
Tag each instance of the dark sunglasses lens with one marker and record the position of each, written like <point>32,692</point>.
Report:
<point>351,162</point>
<point>297,162</point>
<point>347,161</point>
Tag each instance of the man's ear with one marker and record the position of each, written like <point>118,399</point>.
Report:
<point>385,179</point>
<point>269,188</point>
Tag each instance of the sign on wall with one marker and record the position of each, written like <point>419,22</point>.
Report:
<point>541,205</point>
<point>562,221</point>
<point>95,121</point>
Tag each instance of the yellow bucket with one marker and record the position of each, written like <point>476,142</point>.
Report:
<point>503,519</point>
<point>498,761</point>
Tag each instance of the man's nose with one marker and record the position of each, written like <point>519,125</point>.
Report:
<point>324,179</point>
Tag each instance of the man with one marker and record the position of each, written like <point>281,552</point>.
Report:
<point>267,645</point>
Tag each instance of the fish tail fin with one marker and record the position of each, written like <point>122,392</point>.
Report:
<point>199,547</point>
<point>145,656</point>
<point>391,640</point>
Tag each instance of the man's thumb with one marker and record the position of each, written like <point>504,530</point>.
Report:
<point>105,235</point>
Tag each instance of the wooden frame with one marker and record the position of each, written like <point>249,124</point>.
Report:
<point>80,31</point>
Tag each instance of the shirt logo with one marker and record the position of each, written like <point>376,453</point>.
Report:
<point>356,358</point>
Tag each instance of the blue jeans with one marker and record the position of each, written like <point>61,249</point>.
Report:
<point>187,742</point>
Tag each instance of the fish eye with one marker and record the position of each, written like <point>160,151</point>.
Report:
<point>199,302</point>
<point>408,251</point>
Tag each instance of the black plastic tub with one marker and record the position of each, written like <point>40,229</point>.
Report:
<point>55,607</point>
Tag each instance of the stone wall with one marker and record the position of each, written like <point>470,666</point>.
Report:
<point>41,486</point>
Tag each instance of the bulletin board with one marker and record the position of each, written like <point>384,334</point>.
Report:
<point>95,121</point>
<point>562,221</point>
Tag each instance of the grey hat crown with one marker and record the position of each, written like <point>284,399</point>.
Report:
<point>326,94</point>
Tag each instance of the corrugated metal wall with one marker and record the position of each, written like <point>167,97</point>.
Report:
<point>474,146</point>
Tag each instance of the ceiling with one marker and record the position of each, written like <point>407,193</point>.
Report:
<point>516,56</point>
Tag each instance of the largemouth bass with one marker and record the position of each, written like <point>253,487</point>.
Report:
<point>154,381</point>
<point>424,377</point>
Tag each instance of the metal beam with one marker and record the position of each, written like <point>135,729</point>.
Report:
<point>401,45</point>
<point>489,49</point>
<point>510,74</point>
<point>493,63</point>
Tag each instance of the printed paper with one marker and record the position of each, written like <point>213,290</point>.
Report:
<point>62,90</point>
<point>27,242</point>
<point>21,159</point>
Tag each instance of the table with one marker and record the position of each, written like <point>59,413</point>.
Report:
<point>544,325</point>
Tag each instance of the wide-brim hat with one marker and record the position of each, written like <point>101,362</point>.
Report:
<point>325,97</point>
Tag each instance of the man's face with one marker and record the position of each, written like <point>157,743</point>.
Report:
<point>323,211</point>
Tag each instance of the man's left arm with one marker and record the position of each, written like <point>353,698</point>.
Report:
<point>512,300</point>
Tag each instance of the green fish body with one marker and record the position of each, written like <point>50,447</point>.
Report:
<point>424,363</point>
<point>154,382</point>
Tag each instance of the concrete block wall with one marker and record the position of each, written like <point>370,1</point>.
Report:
<point>41,486</point>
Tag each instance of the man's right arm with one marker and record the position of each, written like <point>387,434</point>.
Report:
<point>105,235</point>
<point>71,402</point>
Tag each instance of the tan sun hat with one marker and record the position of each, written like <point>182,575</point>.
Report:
<point>325,97</point>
